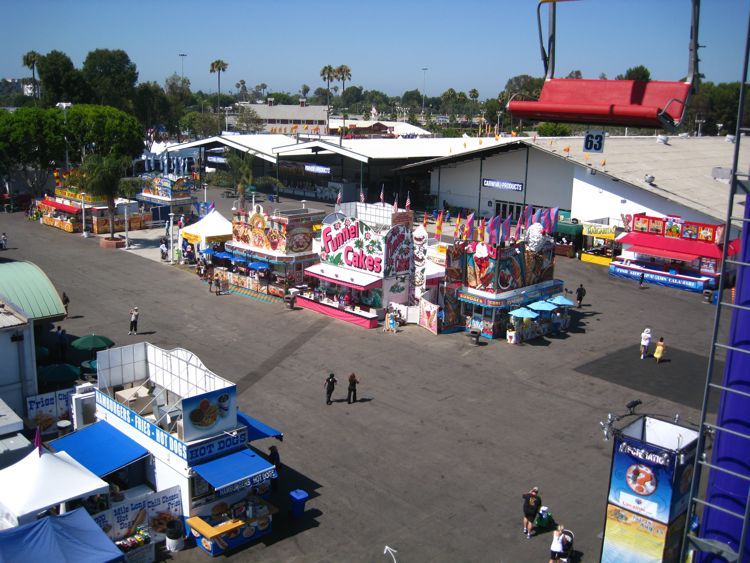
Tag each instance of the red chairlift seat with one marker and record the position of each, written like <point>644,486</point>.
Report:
<point>632,103</point>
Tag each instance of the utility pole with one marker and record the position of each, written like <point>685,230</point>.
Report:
<point>182,67</point>
<point>424,86</point>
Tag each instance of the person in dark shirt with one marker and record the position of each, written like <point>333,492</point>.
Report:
<point>580,294</point>
<point>330,385</point>
<point>351,396</point>
<point>532,502</point>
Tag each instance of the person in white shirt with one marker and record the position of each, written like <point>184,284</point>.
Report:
<point>133,321</point>
<point>645,342</point>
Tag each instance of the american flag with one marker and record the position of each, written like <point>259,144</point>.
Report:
<point>338,198</point>
<point>408,201</point>
<point>382,193</point>
<point>395,203</point>
<point>361,196</point>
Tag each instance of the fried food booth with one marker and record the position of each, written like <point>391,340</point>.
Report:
<point>186,418</point>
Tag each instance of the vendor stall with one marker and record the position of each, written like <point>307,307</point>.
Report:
<point>166,194</point>
<point>212,229</point>
<point>568,238</point>
<point>270,252</point>
<point>186,418</point>
<point>671,252</point>
<point>366,262</point>
<point>599,245</point>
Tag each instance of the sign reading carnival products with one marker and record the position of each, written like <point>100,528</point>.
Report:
<point>221,444</point>
<point>353,244</point>
<point>502,184</point>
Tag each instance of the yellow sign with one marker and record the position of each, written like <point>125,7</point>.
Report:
<point>599,231</point>
<point>67,194</point>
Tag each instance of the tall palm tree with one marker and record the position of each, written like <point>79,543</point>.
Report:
<point>343,73</point>
<point>30,60</point>
<point>218,66</point>
<point>101,175</point>
<point>328,74</point>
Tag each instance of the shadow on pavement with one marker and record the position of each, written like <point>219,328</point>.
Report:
<point>680,380</point>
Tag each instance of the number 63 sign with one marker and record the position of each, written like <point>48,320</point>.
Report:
<point>593,141</point>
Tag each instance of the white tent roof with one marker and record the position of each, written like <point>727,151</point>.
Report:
<point>37,482</point>
<point>214,224</point>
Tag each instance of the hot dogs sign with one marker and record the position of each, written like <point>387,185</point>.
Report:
<point>351,243</point>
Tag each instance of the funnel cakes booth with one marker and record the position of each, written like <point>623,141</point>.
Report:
<point>187,419</point>
<point>366,262</point>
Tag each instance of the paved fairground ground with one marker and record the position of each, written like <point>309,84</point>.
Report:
<point>447,436</point>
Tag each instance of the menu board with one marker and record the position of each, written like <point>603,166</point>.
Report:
<point>153,510</point>
<point>43,411</point>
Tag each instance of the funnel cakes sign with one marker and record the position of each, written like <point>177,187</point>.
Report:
<point>350,243</point>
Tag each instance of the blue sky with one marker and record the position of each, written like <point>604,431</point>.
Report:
<point>464,44</point>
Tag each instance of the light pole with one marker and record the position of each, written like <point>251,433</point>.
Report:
<point>83,215</point>
<point>171,238</point>
<point>127,240</point>
<point>64,106</point>
<point>182,68</point>
<point>424,85</point>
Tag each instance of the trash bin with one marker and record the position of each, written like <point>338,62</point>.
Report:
<point>64,427</point>
<point>298,497</point>
<point>175,541</point>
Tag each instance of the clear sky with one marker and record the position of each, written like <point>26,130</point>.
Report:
<point>464,44</point>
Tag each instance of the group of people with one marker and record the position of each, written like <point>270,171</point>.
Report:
<point>561,538</point>
<point>646,344</point>
<point>330,385</point>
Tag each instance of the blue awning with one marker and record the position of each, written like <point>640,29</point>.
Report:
<point>243,468</point>
<point>100,448</point>
<point>258,266</point>
<point>257,430</point>
<point>224,255</point>
<point>208,251</point>
<point>239,259</point>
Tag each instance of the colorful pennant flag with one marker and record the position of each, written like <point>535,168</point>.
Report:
<point>553,214</point>
<point>538,216</point>
<point>527,216</point>
<point>424,220</point>
<point>457,230</point>
<point>506,229</point>
<point>439,226</point>
<point>395,203</point>
<point>482,227</point>
<point>338,198</point>
<point>382,194</point>
<point>492,239</point>
<point>38,440</point>
<point>518,228</point>
<point>469,228</point>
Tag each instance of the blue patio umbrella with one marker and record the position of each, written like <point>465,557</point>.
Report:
<point>523,313</point>
<point>542,306</point>
<point>207,251</point>
<point>224,255</point>
<point>239,259</point>
<point>561,300</point>
<point>258,266</point>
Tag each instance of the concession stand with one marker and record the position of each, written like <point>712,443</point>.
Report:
<point>366,262</point>
<point>269,252</point>
<point>498,279</point>
<point>166,194</point>
<point>671,252</point>
<point>181,442</point>
<point>599,244</point>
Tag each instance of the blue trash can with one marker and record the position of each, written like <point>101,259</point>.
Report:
<point>298,497</point>
<point>270,197</point>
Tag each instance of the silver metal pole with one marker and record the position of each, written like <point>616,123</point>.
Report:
<point>171,239</point>
<point>127,240</point>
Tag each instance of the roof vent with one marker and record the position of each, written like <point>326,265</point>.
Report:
<point>269,101</point>
<point>302,102</point>
<point>649,179</point>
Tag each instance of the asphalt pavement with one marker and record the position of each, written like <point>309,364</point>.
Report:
<point>433,460</point>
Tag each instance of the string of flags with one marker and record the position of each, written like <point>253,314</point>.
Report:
<point>496,229</point>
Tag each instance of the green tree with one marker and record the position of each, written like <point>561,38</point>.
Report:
<point>112,76</point>
<point>575,74</point>
<point>151,106</point>
<point>218,66</point>
<point>102,130</point>
<point>60,81</point>
<point>524,85</point>
<point>343,73</point>
<point>240,168</point>
<point>328,74</point>
<point>492,111</point>
<point>639,72</point>
<point>200,124</point>
<point>411,99</point>
<point>304,90</point>
<point>547,129</point>
<point>474,95</point>
<point>248,120</point>
<point>101,175</point>
<point>30,60</point>
<point>31,141</point>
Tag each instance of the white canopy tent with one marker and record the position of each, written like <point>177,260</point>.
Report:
<point>37,483</point>
<point>214,227</point>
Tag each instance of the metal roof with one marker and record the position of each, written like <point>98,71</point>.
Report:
<point>260,145</point>
<point>30,291</point>
<point>9,318</point>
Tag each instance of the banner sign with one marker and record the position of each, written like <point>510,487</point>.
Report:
<point>599,231</point>
<point>67,194</point>
<point>631,538</point>
<point>502,184</point>
<point>154,510</point>
<point>399,252</point>
<point>350,243</point>
<point>45,410</point>
<point>428,315</point>
<point>690,284</point>
<point>317,169</point>
<point>221,445</point>
<point>209,414</point>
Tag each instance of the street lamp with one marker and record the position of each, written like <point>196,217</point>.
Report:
<point>83,215</point>
<point>171,238</point>
<point>424,85</point>
<point>127,239</point>
<point>182,68</point>
<point>64,106</point>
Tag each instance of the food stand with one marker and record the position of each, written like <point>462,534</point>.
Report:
<point>671,252</point>
<point>366,261</point>
<point>186,418</point>
<point>271,251</point>
<point>166,194</point>
<point>599,245</point>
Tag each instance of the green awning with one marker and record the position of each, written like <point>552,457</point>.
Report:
<point>572,229</point>
<point>27,287</point>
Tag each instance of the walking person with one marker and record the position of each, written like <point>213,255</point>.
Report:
<point>65,302</point>
<point>532,502</point>
<point>659,352</point>
<point>217,283</point>
<point>133,321</point>
<point>330,385</point>
<point>351,396</point>
<point>210,282</point>
<point>4,242</point>
<point>640,280</point>
<point>580,294</point>
<point>557,547</point>
<point>645,342</point>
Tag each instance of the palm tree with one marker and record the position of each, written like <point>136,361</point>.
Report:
<point>30,60</point>
<point>343,73</point>
<point>240,167</point>
<point>218,66</point>
<point>101,175</point>
<point>241,90</point>
<point>328,73</point>
<point>304,90</point>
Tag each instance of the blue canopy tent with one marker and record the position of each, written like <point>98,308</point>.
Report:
<point>239,259</point>
<point>74,536</point>
<point>542,306</point>
<point>224,255</point>
<point>208,251</point>
<point>258,266</point>
<point>257,430</point>
<point>244,465</point>
<point>523,313</point>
